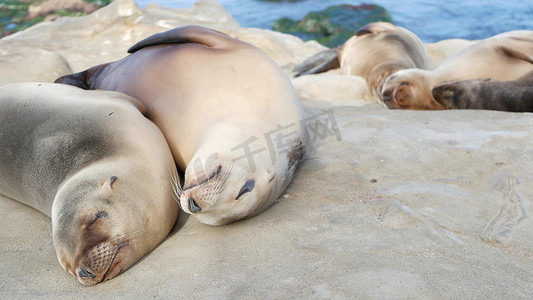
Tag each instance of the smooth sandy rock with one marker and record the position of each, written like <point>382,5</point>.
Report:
<point>27,64</point>
<point>285,49</point>
<point>204,12</point>
<point>333,89</point>
<point>106,34</point>
<point>403,204</point>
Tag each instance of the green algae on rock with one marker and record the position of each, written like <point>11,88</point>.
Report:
<point>334,25</point>
<point>15,14</point>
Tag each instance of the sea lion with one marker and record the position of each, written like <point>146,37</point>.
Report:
<point>227,110</point>
<point>94,164</point>
<point>503,57</point>
<point>514,96</point>
<point>374,52</point>
<point>379,50</point>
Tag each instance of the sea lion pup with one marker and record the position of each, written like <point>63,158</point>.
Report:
<point>514,96</point>
<point>375,52</point>
<point>503,57</point>
<point>227,110</point>
<point>94,164</point>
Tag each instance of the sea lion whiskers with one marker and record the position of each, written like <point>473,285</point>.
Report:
<point>176,185</point>
<point>202,181</point>
<point>116,244</point>
<point>101,259</point>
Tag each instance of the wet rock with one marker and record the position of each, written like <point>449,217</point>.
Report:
<point>334,25</point>
<point>17,15</point>
<point>47,7</point>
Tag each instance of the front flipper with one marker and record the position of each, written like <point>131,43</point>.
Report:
<point>186,34</point>
<point>518,47</point>
<point>76,79</point>
<point>87,80</point>
<point>321,62</point>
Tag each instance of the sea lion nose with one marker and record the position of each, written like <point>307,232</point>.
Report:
<point>83,273</point>
<point>193,206</point>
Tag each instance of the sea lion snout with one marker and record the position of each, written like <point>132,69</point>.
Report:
<point>392,94</point>
<point>84,274</point>
<point>102,261</point>
<point>444,94</point>
<point>193,206</point>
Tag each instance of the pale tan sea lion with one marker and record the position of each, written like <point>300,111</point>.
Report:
<point>379,50</point>
<point>375,52</point>
<point>503,57</point>
<point>514,96</point>
<point>93,163</point>
<point>228,111</point>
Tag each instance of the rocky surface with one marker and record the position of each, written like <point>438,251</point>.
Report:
<point>391,204</point>
<point>334,25</point>
<point>16,15</point>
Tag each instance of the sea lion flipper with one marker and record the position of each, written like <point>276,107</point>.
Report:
<point>85,79</point>
<point>321,62</point>
<point>518,47</point>
<point>516,53</point>
<point>76,79</point>
<point>185,34</point>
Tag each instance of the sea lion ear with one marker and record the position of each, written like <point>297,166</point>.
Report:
<point>109,182</point>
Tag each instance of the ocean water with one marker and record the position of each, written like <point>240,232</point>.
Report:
<point>431,20</point>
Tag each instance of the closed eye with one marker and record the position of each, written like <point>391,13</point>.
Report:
<point>247,187</point>
<point>97,216</point>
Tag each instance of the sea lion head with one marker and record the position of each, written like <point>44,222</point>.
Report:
<point>222,187</point>
<point>102,223</point>
<point>459,94</point>
<point>409,89</point>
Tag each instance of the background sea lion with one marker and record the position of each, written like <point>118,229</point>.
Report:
<point>228,111</point>
<point>379,50</point>
<point>504,57</point>
<point>515,96</point>
<point>93,163</point>
<point>374,52</point>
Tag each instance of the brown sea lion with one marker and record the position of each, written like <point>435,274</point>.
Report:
<point>514,96</point>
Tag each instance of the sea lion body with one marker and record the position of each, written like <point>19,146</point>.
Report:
<point>379,50</point>
<point>374,52</point>
<point>95,165</point>
<point>215,99</point>
<point>514,96</point>
<point>503,57</point>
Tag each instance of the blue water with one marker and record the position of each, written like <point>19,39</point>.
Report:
<point>431,20</point>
